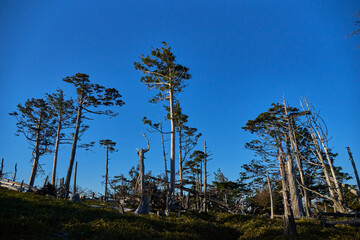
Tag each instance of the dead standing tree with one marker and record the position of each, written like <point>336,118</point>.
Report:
<point>318,135</point>
<point>143,207</point>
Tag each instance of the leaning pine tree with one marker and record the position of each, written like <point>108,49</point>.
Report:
<point>89,98</point>
<point>161,72</point>
<point>34,122</point>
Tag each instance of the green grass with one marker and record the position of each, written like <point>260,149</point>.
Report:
<point>29,216</point>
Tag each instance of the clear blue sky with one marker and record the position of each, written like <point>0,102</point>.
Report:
<point>243,55</point>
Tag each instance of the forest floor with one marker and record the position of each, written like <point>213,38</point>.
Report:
<point>30,216</point>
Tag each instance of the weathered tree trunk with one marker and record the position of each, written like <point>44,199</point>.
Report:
<point>56,150</point>
<point>289,222</point>
<point>172,146</point>
<point>323,165</point>
<point>197,189</point>
<point>205,179</point>
<point>45,181</point>
<point>164,155</point>
<point>271,196</point>
<point>354,167</point>
<point>337,186</point>
<point>106,174</point>
<point>73,149</point>
<point>180,160</point>
<point>14,178</point>
<point>37,154</point>
<point>143,207</point>
<point>293,187</point>
<point>289,226</point>
<point>300,168</point>
<point>75,174</point>
<point>317,130</point>
<point>294,190</point>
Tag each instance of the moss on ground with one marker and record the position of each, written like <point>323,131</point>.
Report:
<point>30,216</point>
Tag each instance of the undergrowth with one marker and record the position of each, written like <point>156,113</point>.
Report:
<point>30,216</point>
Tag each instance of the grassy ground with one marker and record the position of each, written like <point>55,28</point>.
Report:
<point>29,216</point>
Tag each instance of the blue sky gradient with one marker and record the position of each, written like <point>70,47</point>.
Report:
<point>243,56</point>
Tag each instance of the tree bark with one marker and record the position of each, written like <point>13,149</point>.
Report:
<point>53,179</point>
<point>172,147</point>
<point>284,190</point>
<point>294,190</point>
<point>300,168</point>
<point>337,186</point>
<point>15,172</point>
<point>293,187</point>
<point>45,181</point>
<point>73,149</point>
<point>288,219</point>
<point>180,160</point>
<point>164,155</point>
<point>271,196</point>
<point>143,207</point>
<point>75,173</point>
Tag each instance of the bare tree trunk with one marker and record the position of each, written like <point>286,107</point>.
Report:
<point>14,178</point>
<point>293,187</point>
<point>45,181</point>
<point>300,168</point>
<point>354,167</point>
<point>37,154</point>
<point>106,174</point>
<point>73,150</point>
<point>271,196</point>
<point>180,161</point>
<point>172,147</point>
<point>205,179</point>
<point>337,186</point>
<point>284,190</point>
<point>1,167</point>
<point>197,190</point>
<point>53,180</point>
<point>143,207</point>
<point>321,160</point>
<point>316,138</point>
<point>289,222</point>
<point>164,155</point>
<point>75,173</point>
<point>294,190</point>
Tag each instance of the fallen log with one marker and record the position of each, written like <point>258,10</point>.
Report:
<point>323,215</point>
<point>352,190</point>
<point>8,182</point>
